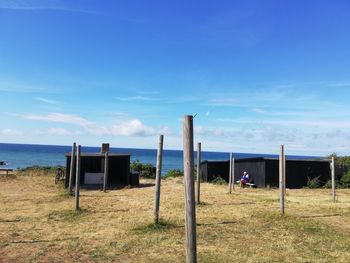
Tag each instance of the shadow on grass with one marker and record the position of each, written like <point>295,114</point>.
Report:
<point>161,226</point>
<point>219,223</point>
<point>315,216</point>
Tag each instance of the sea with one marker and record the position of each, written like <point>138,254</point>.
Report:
<point>16,156</point>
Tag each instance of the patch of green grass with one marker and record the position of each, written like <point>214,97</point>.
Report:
<point>66,215</point>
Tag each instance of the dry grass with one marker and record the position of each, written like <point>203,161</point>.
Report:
<point>38,224</point>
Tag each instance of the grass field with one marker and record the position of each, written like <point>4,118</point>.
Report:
<point>38,224</point>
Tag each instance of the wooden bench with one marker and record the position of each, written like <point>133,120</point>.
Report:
<point>7,170</point>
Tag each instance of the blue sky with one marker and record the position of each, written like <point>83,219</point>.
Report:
<point>257,73</point>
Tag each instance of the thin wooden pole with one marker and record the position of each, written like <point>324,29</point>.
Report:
<point>105,177</point>
<point>190,208</point>
<point>233,174</point>
<point>158,179</point>
<point>77,179</point>
<point>281,178</point>
<point>230,175</point>
<point>71,171</point>
<point>198,193</point>
<point>333,178</point>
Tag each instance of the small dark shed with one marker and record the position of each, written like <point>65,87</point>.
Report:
<point>265,171</point>
<point>92,169</point>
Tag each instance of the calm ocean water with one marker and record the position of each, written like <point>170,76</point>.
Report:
<point>24,155</point>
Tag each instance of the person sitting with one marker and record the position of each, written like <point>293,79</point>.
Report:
<point>244,179</point>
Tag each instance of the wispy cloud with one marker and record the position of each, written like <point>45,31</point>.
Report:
<point>60,117</point>
<point>48,101</point>
<point>127,128</point>
<point>42,5</point>
<point>11,132</point>
<point>136,98</point>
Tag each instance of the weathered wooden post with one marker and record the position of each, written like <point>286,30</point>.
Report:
<point>198,193</point>
<point>158,179</point>
<point>333,178</point>
<point>190,209</point>
<point>105,177</point>
<point>281,178</point>
<point>230,175</point>
<point>77,179</point>
<point>70,185</point>
<point>233,174</point>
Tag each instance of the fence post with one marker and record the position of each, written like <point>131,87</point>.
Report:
<point>77,179</point>
<point>281,178</point>
<point>333,178</point>
<point>190,209</point>
<point>70,185</point>
<point>105,177</point>
<point>158,179</point>
<point>198,173</point>
<point>233,174</point>
<point>230,175</point>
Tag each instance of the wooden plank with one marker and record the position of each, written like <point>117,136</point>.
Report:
<point>158,179</point>
<point>71,171</point>
<point>105,177</point>
<point>190,208</point>
<point>230,175</point>
<point>333,178</point>
<point>77,179</point>
<point>281,178</point>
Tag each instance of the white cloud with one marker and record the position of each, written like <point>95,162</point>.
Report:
<point>132,128</point>
<point>11,132</point>
<point>58,131</point>
<point>62,118</point>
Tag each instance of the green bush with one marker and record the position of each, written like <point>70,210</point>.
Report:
<point>219,180</point>
<point>145,170</point>
<point>345,180</point>
<point>313,182</point>
<point>174,173</point>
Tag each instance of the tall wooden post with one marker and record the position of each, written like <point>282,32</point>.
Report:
<point>281,178</point>
<point>77,179</point>
<point>105,177</point>
<point>233,174</point>
<point>158,179</point>
<point>333,178</point>
<point>198,193</point>
<point>190,209</point>
<point>230,175</point>
<point>71,171</point>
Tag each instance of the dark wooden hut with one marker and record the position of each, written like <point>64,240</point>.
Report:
<point>92,169</point>
<point>265,171</point>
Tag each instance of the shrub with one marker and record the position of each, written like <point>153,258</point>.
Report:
<point>146,170</point>
<point>345,180</point>
<point>174,173</point>
<point>313,182</point>
<point>219,180</point>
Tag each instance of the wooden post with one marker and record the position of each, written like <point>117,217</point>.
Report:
<point>333,178</point>
<point>281,178</point>
<point>77,179</point>
<point>70,185</point>
<point>158,179</point>
<point>105,177</point>
<point>198,173</point>
<point>190,209</point>
<point>230,175</point>
<point>233,174</point>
